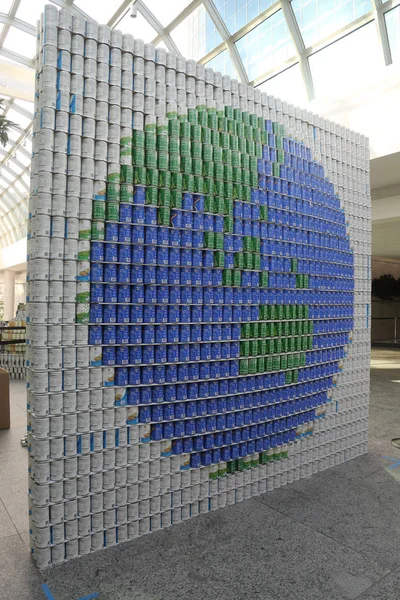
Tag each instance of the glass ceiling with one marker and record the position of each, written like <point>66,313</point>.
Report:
<point>264,42</point>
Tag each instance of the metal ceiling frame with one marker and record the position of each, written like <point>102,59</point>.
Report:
<point>377,14</point>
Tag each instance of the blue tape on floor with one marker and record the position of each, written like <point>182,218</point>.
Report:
<point>50,596</point>
<point>47,592</point>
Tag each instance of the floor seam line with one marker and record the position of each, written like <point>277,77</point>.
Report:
<point>322,533</point>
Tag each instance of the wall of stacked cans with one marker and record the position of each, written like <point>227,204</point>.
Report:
<point>198,291</point>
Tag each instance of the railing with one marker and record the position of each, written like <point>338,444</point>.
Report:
<point>383,333</point>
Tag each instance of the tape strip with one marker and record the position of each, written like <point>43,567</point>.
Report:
<point>47,592</point>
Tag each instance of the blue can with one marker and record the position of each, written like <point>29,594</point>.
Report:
<point>134,376</point>
<point>109,334</point>
<point>124,274</point>
<point>95,335</point>
<point>162,255</point>
<point>174,237</point>
<point>156,413</point>
<point>111,232</point>
<point>168,412</point>
<point>124,233</point>
<point>97,292</point>
<point>150,215</point>
<point>110,292</point>
<point>124,253</point>
<point>138,214</point>
<point>156,432</point>
<point>125,213</point>
<point>137,273</point>
<point>121,376</point>
<point>110,313</point>
<point>111,252</point>
<point>176,218</point>
<point>150,255</point>
<point>151,235</point>
<point>123,314</point>
<point>168,431</point>
<point>97,251</point>
<point>198,202</point>
<point>96,272</point>
<point>187,220</point>
<point>147,374</point>
<point>122,357</point>
<point>160,354</point>
<point>137,234</point>
<point>162,236</point>
<point>96,313</point>
<point>139,194</point>
<point>110,273</point>
<point>122,334</point>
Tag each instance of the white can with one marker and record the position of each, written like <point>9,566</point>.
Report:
<point>83,485</point>
<point>97,540</point>
<point>56,426</point>
<point>84,543</point>
<point>56,404</point>
<point>56,448</point>
<point>56,491</point>
<point>57,514</point>
<point>54,335</point>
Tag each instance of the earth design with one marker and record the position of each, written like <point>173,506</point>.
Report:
<point>222,293</point>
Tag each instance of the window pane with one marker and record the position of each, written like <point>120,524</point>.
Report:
<point>29,11</point>
<point>20,42</point>
<point>138,27</point>
<point>287,86</point>
<point>266,46</point>
<point>348,63</point>
<point>222,62</point>
<point>99,11</point>
<point>166,12</point>
<point>392,19</point>
<point>17,118</point>
<point>25,104</point>
<point>319,18</point>
<point>237,13</point>
<point>196,35</point>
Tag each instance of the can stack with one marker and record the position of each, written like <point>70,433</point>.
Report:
<point>198,276</point>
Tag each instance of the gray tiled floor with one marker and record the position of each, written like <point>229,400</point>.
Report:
<point>335,536</point>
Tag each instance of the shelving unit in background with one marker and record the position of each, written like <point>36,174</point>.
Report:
<point>13,350</point>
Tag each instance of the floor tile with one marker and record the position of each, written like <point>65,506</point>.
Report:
<point>20,580</point>
<point>386,589</point>
<point>6,525</point>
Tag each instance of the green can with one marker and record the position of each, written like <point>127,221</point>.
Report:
<point>113,192</point>
<point>261,364</point>
<point>99,210</point>
<point>176,198</point>
<point>245,177</point>
<point>151,140</point>
<point>125,146</point>
<point>164,215</point>
<point>237,277</point>
<point>176,181</point>
<point>218,171</point>
<point>219,241</point>
<point>270,346</point>
<point>139,175</point>
<point>185,147</point>
<point>254,347</point>
<point>152,195</point>
<point>163,161</point>
<point>138,156</point>
<point>184,130</point>
<point>247,245</point>
<point>192,115</point>
<point>195,132</point>
<point>262,347</point>
<point>152,176</point>
<point>276,362</point>
<point>197,166</point>
<point>164,197</point>
<point>228,173</point>
<point>234,143</point>
<point>174,145</point>
<point>126,193</point>
<point>138,138</point>
<point>98,230</point>
<point>228,224</point>
<point>219,258</point>
<point>208,185</point>
<point>253,366</point>
<point>162,142</point>
<point>174,126</point>
<point>112,211</point>
<point>217,154</point>
<point>228,206</point>
<point>227,277</point>
<point>209,239</point>
<point>207,152</point>
<point>208,168</point>
<point>188,182</point>
<point>196,149</point>
<point>284,361</point>
<point>264,279</point>
<point>202,118</point>
<point>231,126</point>
<point>248,260</point>
<point>263,330</point>
<point>174,163</point>
<point>164,179</point>
<point>198,184</point>
<point>268,364</point>
<point>244,366</point>
<point>219,203</point>
<point>187,164</point>
<point>290,361</point>
<point>231,467</point>
<point>151,159</point>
